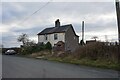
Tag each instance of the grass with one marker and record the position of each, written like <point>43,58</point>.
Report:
<point>96,54</point>
<point>100,63</point>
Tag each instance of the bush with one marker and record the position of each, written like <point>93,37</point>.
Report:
<point>26,50</point>
<point>36,48</point>
<point>48,46</point>
<point>96,51</point>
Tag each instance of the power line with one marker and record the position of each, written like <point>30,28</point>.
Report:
<point>35,12</point>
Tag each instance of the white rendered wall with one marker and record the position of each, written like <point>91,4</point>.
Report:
<point>50,38</point>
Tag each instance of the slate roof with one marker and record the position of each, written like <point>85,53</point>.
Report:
<point>60,29</point>
<point>55,29</point>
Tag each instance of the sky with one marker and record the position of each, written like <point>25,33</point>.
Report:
<point>100,19</point>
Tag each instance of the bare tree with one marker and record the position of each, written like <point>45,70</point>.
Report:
<point>95,37</point>
<point>30,43</point>
<point>23,38</point>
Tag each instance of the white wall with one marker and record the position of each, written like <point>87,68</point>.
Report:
<point>61,37</point>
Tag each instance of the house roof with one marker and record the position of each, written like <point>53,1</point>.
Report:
<point>60,29</point>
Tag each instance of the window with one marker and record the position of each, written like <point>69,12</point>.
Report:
<point>55,36</point>
<point>45,37</point>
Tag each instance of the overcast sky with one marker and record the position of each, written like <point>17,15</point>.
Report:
<point>100,19</point>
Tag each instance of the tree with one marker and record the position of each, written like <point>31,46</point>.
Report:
<point>30,43</point>
<point>48,46</point>
<point>23,38</point>
<point>94,37</point>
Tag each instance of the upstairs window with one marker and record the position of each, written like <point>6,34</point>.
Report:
<point>55,36</point>
<point>46,37</point>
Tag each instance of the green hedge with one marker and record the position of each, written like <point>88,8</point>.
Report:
<point>32,49</point>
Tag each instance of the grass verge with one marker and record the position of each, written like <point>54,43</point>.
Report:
<point>99,63</point>
<point>87,62</point>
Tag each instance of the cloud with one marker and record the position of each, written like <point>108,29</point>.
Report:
<point>10,40</point>
<point>57,0</point>
<point>99,17</point>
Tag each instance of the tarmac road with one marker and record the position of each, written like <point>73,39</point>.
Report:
<point>19,67</point>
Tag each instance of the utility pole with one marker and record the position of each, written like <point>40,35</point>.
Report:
<point>82,41</point>
<point>83,31</point>
<point>118,21</point>
<point>118,18</point>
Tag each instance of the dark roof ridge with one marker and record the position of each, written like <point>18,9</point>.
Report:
<point>66,25</point>
<point>62,28</point>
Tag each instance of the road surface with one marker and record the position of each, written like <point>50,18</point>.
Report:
<point>19,67</point>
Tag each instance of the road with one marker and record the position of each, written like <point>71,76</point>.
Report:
<point>19,67</point>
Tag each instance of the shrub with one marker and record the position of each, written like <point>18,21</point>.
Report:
<point>26,50</point>
<point>97,50</point>
<point>48,46</point>
<point>36,48</point>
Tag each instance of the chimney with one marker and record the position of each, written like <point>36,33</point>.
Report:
<point>57,23</point>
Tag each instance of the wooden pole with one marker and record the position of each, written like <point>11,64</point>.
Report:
<point>118,21</point>
<point>118,17</point>
<point>83,31</point>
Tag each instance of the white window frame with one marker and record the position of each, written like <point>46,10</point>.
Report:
<point>55,36</point>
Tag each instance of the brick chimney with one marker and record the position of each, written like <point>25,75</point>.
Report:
<point>57,23</point>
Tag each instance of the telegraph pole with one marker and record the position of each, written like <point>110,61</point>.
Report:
<point>118,18</point>
<point>83,31</point>
<point>82,41</point>
<point>118,21</point>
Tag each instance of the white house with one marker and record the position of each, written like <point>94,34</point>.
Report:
<point>64,33</point>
